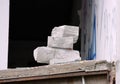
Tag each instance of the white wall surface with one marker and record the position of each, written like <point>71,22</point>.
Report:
<point>108,32</point>
<point>107,14</point>
<point>118,72</point>
<point>106,25</point>
<point>118,42</point>
<point>4,28</point>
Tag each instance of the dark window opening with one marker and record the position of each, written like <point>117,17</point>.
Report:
<point>31,21</point>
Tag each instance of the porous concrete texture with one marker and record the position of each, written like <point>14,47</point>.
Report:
<point>60,42</point>
<point>66,31</point>
<point>64,60</point>
<point>45,54</point>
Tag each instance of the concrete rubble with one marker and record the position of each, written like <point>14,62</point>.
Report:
<point>59,46</point>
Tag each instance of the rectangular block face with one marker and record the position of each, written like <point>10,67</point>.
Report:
<point>71,31</point>
<point>66,31</point>
<point>57,32</point>
<point>60,42</point>
<point>45,54</point>
<point>64,56</point>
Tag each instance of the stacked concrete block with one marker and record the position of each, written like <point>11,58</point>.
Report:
<point>66,31</point>
<point>43,54</point>
<point>60,42</point>
<point>51,55</point>
<point>59,46</point>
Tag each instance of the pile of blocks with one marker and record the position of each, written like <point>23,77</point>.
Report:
<point>59,46</point>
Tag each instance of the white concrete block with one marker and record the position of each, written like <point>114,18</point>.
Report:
<point>66,31</point>
<point>63,60</point>
<point>45,54</point>
<point>60,42</point>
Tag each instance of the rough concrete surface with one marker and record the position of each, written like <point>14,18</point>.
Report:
<point>66,31</point>
<point>45,54</point>
<point>60,42</point>
<point>63,60</point>
<point>87,66</point>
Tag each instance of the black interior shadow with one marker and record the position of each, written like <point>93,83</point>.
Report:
<point>31,21</point>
